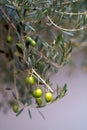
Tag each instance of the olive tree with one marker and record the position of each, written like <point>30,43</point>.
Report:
<point>37,38</point>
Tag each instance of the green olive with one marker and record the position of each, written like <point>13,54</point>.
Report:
<point>30,80</point>
<point>9,39</point>
<point>15,108</point>
<point>33,43</point>
<point>30,41</point>
<point>38,101</point>
<point>37,93</point>
<point>48,97</point>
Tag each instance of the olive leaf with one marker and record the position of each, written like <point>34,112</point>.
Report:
<point>41,114</point>
<point>19,112</point>
<point>19,47</point>
<point>29,113</point>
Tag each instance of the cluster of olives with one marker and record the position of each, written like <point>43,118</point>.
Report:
<point>37,92</point>
<point>29,40</point>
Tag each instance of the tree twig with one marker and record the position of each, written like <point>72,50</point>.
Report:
<point>71,13</point>
<point>8,19</point>
<point>68,2</point>
<point>47,60</point>
<point>65,29</point>
<point>39,76</point>
<point>42,80</point>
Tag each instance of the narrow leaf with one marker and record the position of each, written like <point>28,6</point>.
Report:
<point>29,112</point>
<point>58,39</point>
<point>19,112</point>
<point>41,114</point>
<point>65,88</point>
<point>14,95</point>
<point>57,90</point>
<point>19,47</point>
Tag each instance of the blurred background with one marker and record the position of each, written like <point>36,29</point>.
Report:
<point>69,113</point>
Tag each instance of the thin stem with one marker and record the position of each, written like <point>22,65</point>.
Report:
<point>8,19</point>
<point>17,95</point>
<point>43,81</point>
<point>58,66</point>
<point>16,91</point>
<point>66,13</point>
<point>39,76</point>
<point>65,29</point>
<point>68,2</point>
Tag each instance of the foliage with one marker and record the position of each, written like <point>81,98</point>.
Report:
<point>37,42</point>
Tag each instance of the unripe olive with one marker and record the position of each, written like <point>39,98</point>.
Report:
<point>15,108</point>
<point>48,97</point>
<point>38,101</point>
<point>37,93</point>
<point>9,39</point>
<point>30,41</point>
<point>30,80</point>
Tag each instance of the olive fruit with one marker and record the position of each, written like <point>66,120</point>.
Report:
<point>15,108</point>
<point>33,43</point>
<point>48,97</point>
<point>30,80</point>
<point>37,93</point>
<point>9,39</point>
<point>30,41</point>
<point>38,101</point>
